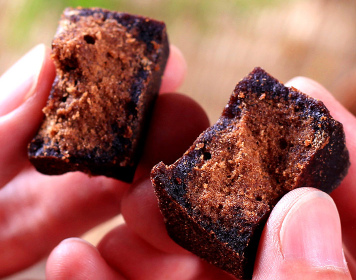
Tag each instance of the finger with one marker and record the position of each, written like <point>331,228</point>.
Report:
<point>123,251</point>
<point>38,211</point>
<point>175,70</point>
<point>176,121</point>
<point>129,258</point>
<point>345,193</point>
<point>135,259</point>
<point>142,215</point>
<point>317,91</point>
<point>24,91</point>
<point>302,239</point>
<point>76,259</point>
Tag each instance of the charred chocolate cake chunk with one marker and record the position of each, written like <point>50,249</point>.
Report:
<point>269,140</point>
<point>108,73</point>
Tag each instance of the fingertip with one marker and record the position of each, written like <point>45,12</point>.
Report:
<point>26,98</point>
<point>300,80</point>
<point>36,100</point>
<point>66,246</point>
<point>57,266</point>
<point>175,71</point>
<point>46,75</point>
<point>142,215</point>
<point>302,238</point>
<point>136,259</point>
<point>21,81</point>
<point>26,86</point>
<point>317,91</point>
<point>310,87</point>
<point>311,231</point>
<point>75,258</point>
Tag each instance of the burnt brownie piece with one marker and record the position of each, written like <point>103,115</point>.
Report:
<point>269,140</point>
<point>108,73</point>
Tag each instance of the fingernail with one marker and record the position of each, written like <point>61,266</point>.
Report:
<point>19,82</point>
<point>311,232</point>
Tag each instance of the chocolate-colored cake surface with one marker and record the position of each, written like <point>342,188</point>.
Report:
<point>109,67</point>
<point>269,140</point>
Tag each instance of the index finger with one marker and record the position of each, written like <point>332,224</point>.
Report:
<point>174,73</point>
<point>344,195</point>
<point>70,204</point>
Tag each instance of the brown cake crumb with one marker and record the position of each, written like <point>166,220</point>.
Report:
<point>109,67</point>
<point>269,140</point>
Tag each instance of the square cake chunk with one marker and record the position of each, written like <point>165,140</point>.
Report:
<point>269,140</point>
<point>108,73</point>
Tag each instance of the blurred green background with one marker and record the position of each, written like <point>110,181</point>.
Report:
<point>221,40</point>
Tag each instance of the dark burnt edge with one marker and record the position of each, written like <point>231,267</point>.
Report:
<point>83,157</point>
<point>334,156</point>
<point>252,247</point>
<point>259,82</point>
<point>51,165</point>
<point>153,88</point>
<point>187,232</point>
<point>180,225</point>
<point>185,164</point>
<point>273,89</point>
<point>226,243</point>
<point>147,32</point>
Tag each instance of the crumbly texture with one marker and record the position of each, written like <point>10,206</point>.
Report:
<point>269,140</point>
<point>109,67</point>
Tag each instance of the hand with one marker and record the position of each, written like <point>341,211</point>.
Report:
<point>38,211</point>
<point>301,240</point>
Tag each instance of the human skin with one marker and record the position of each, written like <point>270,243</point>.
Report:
<point>302,239</point>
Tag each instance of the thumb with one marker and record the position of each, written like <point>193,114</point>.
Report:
<point>302,240</point>
<point>24,89</point>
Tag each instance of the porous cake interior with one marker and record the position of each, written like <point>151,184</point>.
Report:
<point>269,140</point>
<point>244,164</point>
<point>95,107</point>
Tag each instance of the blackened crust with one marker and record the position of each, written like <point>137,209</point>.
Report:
<point>306,149</point>
<point>185,230</point>
<point>118,155</point>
